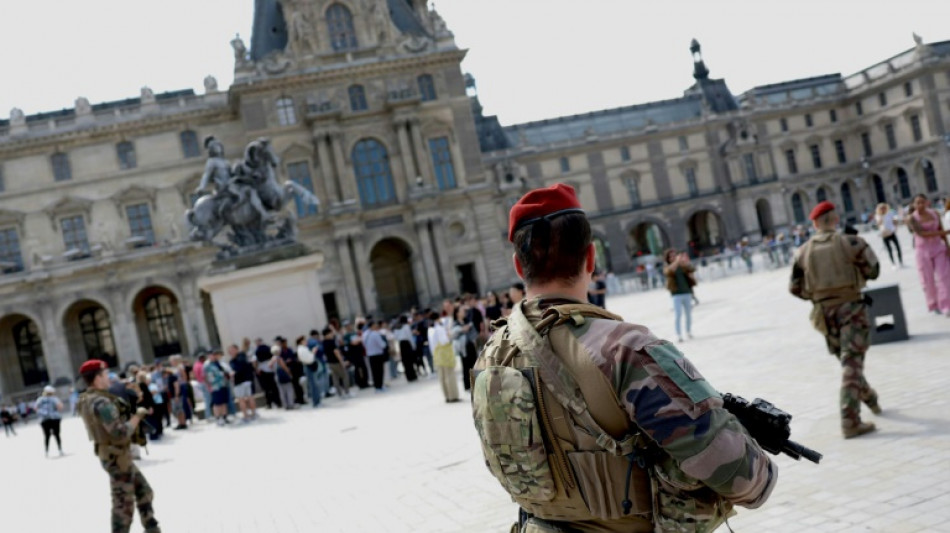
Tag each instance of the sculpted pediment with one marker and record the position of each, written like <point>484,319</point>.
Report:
<point>68,205</point>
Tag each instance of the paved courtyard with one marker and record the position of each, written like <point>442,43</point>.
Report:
<point>406,461</point>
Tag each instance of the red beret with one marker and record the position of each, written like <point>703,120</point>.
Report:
<point>546,203</point>
<point>821,209</point>
<point>92,365</point>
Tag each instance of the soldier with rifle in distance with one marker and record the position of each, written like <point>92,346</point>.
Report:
<point>111,433</point>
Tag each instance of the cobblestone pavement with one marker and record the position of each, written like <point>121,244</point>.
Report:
<point>406,461</point>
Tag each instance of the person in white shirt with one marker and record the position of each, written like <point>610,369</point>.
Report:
<point>443,356</point>
<point>407,347</point>
<point>311,369</point>
<point>886,225</point>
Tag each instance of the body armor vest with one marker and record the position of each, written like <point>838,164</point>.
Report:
<point>828,261</point>
<point>94,429</point>
<point>552,430</point>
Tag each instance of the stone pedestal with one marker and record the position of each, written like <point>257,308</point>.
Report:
<point>276,298</point>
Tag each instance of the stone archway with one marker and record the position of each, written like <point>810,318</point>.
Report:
<point>877,185</point>
<point>763,212</point>
<point>602,253</point>
<point>22,358</point>
<point>159,323</point>
<point>647,238</point>
<point>391,264</point>
<point>929,176</point>
<point>798,207</point>
<point>705,232</point>
<point>89,333</point>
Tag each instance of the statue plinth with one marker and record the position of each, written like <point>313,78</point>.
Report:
<point>270,296</point>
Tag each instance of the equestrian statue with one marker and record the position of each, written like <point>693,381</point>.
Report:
<point>245,197</point>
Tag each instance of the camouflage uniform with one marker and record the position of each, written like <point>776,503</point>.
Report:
<point>842,318</point>
<point>702,459</point>
<point>112,436</point>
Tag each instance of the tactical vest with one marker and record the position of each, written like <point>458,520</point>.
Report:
<point>552,429</point>
<point>94,429</point>
<point>830,273</point>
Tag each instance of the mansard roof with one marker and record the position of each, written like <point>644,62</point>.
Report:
<point>605,122</point>
<point>103,106</point>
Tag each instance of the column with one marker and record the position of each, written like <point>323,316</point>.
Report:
<point>422,159</point>
<point>348,185</point>
<point>366,277</point>
<point>55,349</point>
<point>349,277</point>
<point>446,268</point>
<point>123,330</point>
<point>193,317</point>
<point>405,154</point>
<point>326,168</point>
<point>428,259</point>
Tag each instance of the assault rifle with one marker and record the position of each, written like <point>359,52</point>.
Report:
<point>769,426</point>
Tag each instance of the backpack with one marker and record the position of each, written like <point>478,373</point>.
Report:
<point>528,407</point>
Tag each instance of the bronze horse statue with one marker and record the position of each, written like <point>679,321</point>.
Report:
<point>234,206</point>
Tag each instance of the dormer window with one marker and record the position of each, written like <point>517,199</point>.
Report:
<point>340,28</point>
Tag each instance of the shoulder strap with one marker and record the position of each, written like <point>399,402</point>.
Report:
<point>611,427</point>
<point>602,400</point>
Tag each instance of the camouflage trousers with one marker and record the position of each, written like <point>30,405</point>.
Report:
<point>129,490</point>
<point>848,338</point>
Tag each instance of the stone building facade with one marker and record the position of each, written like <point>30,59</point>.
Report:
<point>366,104</point>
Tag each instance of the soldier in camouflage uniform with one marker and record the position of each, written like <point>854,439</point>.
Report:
<point>830,270</point>
<point>112,432</point>
<point>594,424</point>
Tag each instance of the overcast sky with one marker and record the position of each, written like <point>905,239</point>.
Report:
<point>532,59</point>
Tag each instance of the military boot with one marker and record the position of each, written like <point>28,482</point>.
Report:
<point>857,431</point>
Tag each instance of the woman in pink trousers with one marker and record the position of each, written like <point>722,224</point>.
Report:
<point>933,255</point>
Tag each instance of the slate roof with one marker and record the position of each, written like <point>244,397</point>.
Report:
<point>604,122</point>
<point>126,102</point>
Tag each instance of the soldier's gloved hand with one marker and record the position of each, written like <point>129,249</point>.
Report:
<point>141,412</point>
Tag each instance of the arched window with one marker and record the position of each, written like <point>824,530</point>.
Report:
<point>97,335</point>
<point>426,88</point>
<point>878,189</point>
<point>903,183</point>
<point>162,329</point>
<point>357,97</point>
<point>930,176</point>
<point>29,349</point>
<point>299,173</point>
<point>846,197</point>
<point>373,174</point>
<point>340,28</point>
<point>821,195</point>
<point>798,210</point>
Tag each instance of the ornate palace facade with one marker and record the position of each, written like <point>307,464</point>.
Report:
<point>366,104</point>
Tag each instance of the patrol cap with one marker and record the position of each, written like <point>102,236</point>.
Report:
<point>92,365</point>
<point>542,204</point>
<point>821,209</point>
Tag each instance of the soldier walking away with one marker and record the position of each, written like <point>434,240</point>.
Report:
<point>830,270</point>
<point>111,431</point>
<point>594,424</point>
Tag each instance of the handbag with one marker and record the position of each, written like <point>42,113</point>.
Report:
<point>444,356</point>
